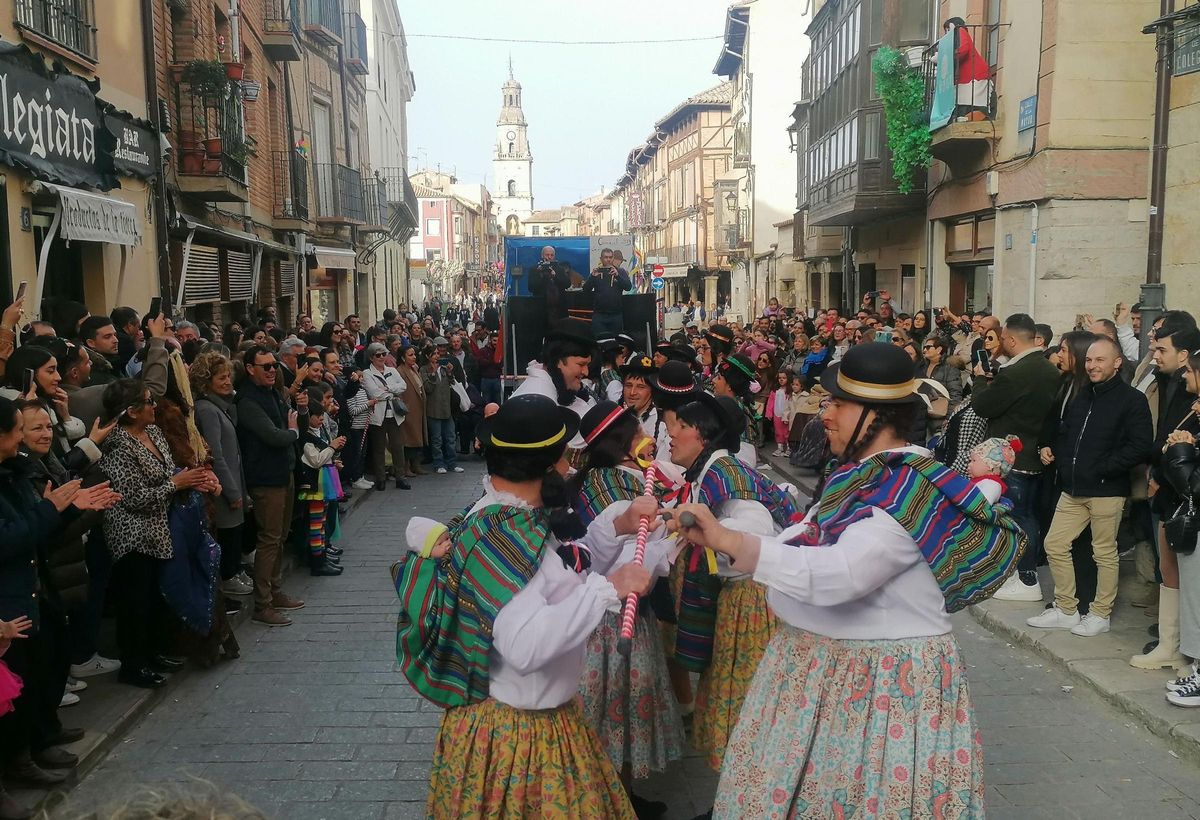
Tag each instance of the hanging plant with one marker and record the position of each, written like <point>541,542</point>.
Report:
<point>902,89</point>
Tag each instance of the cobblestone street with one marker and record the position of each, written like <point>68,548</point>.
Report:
<point>314,721</point>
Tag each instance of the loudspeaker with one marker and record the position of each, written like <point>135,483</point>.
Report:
<point>637,311</point>
<point>525,324</point>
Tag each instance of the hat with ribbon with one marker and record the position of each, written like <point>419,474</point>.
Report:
<point>673,386</point>
<point>874,373</point>
<point>638,365</point>
<point>529,422</point>
<point>722,335</point>
<point>601,418</point>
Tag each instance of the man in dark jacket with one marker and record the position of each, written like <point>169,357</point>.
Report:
<point>267,433</point>
<point>1105,432</point>
<point>606,284</point>
<point>128,325</point>
<point>100,340</point>
<point>550,279</point>
<point>1015,400</point>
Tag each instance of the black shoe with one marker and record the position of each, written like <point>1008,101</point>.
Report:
<point>647,809</point>
<point>380,485</point>
<point>165,663</point>
<point>31,774</point>
<point>55,758</point>
<point>66,737</point>
<point>333,559</point>
<point>401,484</point>
<point>334,551</point>
<point>145,677</point>
<point>1150,647</point>
<point>324,569</point>
<point>232,606</point>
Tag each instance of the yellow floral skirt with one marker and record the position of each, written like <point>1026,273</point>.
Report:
<point>495,761</point>
<point>744,627</point>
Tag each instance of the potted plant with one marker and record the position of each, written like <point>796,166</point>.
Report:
<point>235,71</point>
<point>239,151</point>
<point>212,165</point>
<point>206,78</point>
<point>191,160</point>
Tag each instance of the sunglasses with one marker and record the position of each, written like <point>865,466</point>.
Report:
<point>378,355</point>
<point>929,347</point>
<point>267,366</point>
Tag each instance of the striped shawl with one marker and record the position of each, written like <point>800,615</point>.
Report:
<point>604,486</point>
<point>448,606</point>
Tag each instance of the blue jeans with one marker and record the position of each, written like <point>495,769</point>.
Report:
<point>1023,492</point>
<point>607,324</point>
<point>490,388</point>
<point>442,441</point>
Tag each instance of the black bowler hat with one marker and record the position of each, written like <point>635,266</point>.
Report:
<point>527,423</point>
<point>599,419</point>
<point>676,351</point>
<point>571,330</point>
<point>638,365</point>
<point>722,335</point>
<point>873,373</point>
<point>628,342</point>
<point>729,415</point>
<point>674,386</point>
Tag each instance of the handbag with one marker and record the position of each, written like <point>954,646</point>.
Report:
<point>399,407</point>
<point>1183,528</point>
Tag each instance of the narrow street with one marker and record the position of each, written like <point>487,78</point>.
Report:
<point>314,721</point>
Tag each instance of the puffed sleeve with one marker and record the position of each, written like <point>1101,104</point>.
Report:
<point>529,631</point>
<point>868,554</point>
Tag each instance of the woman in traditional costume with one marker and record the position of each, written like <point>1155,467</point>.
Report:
<point>860,705</point>
<point>612,357</point>
<point>724,622</point>
<point>734,378</point>
<point>496,613</point>
<point>627,701</point>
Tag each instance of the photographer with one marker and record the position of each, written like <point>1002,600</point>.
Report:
<point>606,284</point>
<point>439,379</point>
<point>549,280</point>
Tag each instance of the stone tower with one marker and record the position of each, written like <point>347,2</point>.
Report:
<point>512,160</point>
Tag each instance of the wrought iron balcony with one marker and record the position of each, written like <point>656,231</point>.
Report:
<point>323,20</point>
<point>68,23</point>
<point>376,208</point>
<point>290,171</point>
<point>400,193</point>
<point>337,194</point>
<point>961,116</point>
<point>356,45</point>
<point>282,34</point>
<point>213,148</point>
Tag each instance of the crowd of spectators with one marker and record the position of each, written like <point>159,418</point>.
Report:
<point>160,471</point>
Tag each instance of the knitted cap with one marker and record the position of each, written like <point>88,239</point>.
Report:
<point>998,454</point>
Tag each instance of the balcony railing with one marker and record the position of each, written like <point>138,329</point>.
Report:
<point>376,209</point>
<point>281,30</point>
<point>217,121</point>
<point>682,254</point>
<point>291,185</point>
<point>401,193</point>
<point>69,23</point>
<point>323,19</point>
<point>356,45</point>
<point>337,192</point>
<point>949,102</point>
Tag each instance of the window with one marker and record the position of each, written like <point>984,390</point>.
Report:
<point>537,230</point>
<point>70,23</point>
<point>512,187</point>
<point>433,227</point>
<point>914,21</point>
<point>871,141</point>
<point>511,149</point>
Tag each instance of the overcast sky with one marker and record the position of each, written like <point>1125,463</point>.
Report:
<point>587,106</point>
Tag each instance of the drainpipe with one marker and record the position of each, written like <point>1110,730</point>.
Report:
<point>1158,151</point>
<point>1033,240</point>
<point>158,186</point>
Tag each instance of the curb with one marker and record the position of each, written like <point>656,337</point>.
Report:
<point>1138,693</point>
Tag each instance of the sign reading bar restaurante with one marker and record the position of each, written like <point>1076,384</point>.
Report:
<point>53,125</point>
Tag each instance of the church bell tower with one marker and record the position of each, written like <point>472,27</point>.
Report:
<point>512,160</point>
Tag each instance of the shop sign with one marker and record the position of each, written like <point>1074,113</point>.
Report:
<point>1187,50</point>
<point>135,151</point>
<point>89,217</point>
<point>51,123</point>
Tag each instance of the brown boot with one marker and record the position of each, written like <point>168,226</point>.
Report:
<point>271,617</point>
<point>286,602</point>
<point>415,466</point>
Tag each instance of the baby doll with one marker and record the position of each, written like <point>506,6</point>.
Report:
<point>991,461</point>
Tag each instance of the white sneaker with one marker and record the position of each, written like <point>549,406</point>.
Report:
<point>76,685</point>
<point>68,699</point>
<point>1090,626</point>
<point>363,483</point>
<point>97,665</point>
<point>1188,696</point>
<point>1184,681</point>
<point>1054,618</point>
<point>457,469</point>
<point>441,470</point>
<point>234,586</point>
<point>1014,589</point>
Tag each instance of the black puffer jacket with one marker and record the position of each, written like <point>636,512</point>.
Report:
<point>27,521</point>
<point>62,562</point>
<point>1105,432</point>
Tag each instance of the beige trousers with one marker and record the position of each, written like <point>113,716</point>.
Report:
<point>1072,515</point>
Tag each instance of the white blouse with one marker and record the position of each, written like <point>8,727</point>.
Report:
<point>738,514</point>
<point>873,584</point>
<point>610,550</point>
<point>538,382</point>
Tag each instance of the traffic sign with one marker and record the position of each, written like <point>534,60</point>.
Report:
<point>659,270</point>
<point>658,283</point>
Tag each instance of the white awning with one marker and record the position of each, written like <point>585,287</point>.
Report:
<point>675,271</point>
<point>339,258</point>
<point>89,217</point>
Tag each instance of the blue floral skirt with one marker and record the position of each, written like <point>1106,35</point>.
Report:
<point>839,728</point>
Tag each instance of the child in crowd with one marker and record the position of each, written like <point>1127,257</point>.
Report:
<point>776,411</point>
<point>10,684</point>
<point>991,461</point>
<point>318,486</point>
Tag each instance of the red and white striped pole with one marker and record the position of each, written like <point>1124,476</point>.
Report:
<point>625,642</point>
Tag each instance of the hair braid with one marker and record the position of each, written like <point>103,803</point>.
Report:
<point>897,417</point>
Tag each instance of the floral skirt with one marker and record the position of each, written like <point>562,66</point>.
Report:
<point>494,761</point>
<point>744,626</point>
<point>835,728</point>
<point>629,702</point>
